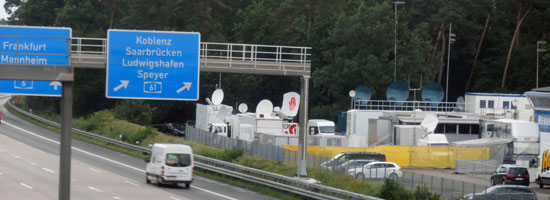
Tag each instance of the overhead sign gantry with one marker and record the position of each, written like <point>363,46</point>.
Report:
<point>153,65</point>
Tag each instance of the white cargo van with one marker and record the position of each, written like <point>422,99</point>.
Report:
<point>170,164</point>
<point>320,126</point>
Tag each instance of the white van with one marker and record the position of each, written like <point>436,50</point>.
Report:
<point>320,126</point>
<point>170,164</point>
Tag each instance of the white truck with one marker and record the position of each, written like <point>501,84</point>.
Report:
<point>320,127</point>
<point>524,134</point>
<point>170,164</point>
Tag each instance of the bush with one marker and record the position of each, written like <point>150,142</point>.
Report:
<point>423,193</point>
<point>392,190</point>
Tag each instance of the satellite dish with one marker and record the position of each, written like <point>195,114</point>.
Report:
<point>223,113</point>
<point>243,108</point>
<point>429,123</point>
<point>397,91</point>
<point>362,94</point>
<point>460,103</point>
<point>352,93</point>
<point>291,104</point>
<point>217,97</point>
<point>433,92</point>
<point>264,108</point>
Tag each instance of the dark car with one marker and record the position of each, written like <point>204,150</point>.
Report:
<point>341,158</point>
<point>510,174</point>
<point>172,129</point>
<point>508,192</point>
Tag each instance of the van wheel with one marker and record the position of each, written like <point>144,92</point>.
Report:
<point>541,185</point>
<point>187,185</point>
<point>159,184</point>
<point>147,179</point>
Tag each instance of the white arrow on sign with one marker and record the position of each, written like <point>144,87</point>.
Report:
<point>55,84</point>
<point>186,85</point>
<point>122,84</point>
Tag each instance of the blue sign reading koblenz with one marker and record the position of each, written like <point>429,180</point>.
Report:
<point>153,65</point>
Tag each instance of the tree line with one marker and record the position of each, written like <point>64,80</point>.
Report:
<point>352,45</point>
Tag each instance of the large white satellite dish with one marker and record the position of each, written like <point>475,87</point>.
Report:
<point>264,108</point>
<point>243,108</point>
<point>291,104</point>
<point>217,97</point>
<point>429,123</point>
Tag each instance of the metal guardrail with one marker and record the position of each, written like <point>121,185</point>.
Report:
<point>277,181</point>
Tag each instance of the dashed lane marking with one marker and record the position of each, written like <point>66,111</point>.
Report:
<point>48,170</point>
<point>27,186</point>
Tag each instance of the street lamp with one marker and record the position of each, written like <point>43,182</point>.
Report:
<point>451,40</point>
<point>539,50</point>
<point>395,3</point>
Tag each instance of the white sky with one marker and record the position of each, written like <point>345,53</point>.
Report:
<point>3,14</point>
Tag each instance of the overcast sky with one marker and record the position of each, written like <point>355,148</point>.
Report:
<point>3,14</point>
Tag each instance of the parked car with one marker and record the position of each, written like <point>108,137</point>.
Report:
<point>511,192</point>
<point>510,174</point>
<point>172,129</point>
<point>377,170</point>
<point>351,164</point>
<point>341,158</point>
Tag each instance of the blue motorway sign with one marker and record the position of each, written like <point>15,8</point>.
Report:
<point>27,45</point>
<point>34,45</point>
<point>26,87</point>
<point>153,65</point>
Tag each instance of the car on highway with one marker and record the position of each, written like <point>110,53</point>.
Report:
<point>512,192</point>
<point>170,164</point>
<point>377,170</point>
<point>510,174</point>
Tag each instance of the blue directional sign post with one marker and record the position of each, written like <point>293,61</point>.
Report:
<point>153,65</point>
<point>22,45</point>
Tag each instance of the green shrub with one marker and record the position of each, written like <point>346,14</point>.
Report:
<point>135,111</point>
<point>392,190</point>
<point>422,192</point>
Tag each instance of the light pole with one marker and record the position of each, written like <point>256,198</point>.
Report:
<point>395,3</point>
<point>451,40</point>
<point>539,50</point>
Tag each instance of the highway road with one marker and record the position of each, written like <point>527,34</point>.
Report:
<point>29,157</point>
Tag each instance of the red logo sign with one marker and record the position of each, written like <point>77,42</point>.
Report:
<point>292,103</point>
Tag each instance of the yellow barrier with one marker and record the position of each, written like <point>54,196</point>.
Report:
<point>409,156</point>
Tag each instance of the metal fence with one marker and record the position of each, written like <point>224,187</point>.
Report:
<point>443,186</point>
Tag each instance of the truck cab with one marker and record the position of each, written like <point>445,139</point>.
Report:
<point>218,128</point>
<point>320,127</point>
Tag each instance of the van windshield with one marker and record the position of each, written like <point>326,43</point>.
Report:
<point>326,129</point>
<point>178,160</point>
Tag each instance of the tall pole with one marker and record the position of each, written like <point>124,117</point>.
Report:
<point>302,133</point>
<point>539,50</point>
<point>448,59</point>
<point>65,145</point>
<point>395,40</point>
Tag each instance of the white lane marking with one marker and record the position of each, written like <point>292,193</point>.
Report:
<point>48,170</point>
<point>95,170</point>
<point>73,180</point>
<point>171,197</point>
<point>107,159</point>
<point>15,156</point>
<point>95,189</point>
<point>1,173</point>
<point>27,186</point>
<point>116,198</point>
<point>31,163</point>
<point>131,183</point>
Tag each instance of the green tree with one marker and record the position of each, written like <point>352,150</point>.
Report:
<point>135,111</point>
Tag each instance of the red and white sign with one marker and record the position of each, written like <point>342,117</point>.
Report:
<point>290,104</point>
<point>290,128</point>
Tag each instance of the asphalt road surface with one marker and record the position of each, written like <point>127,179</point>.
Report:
<point>29,157</point>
